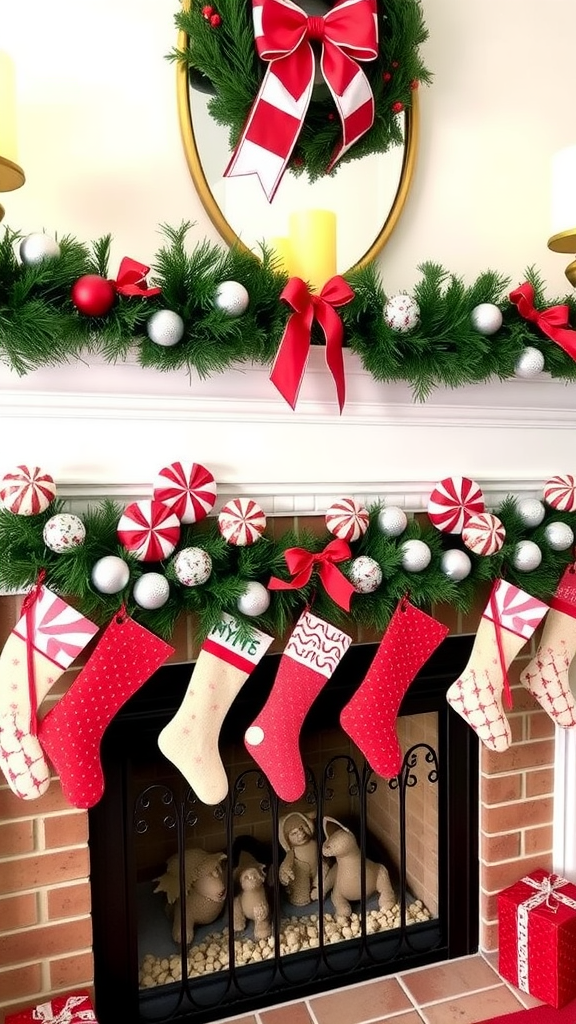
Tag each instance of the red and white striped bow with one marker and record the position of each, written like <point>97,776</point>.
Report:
<point>284,34</point>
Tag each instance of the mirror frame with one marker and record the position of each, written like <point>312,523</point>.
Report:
<point>214,212</point>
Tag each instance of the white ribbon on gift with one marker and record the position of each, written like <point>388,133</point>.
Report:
<point>547,892</point>
<point>68,1013</point>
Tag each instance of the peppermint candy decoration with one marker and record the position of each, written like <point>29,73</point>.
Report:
<point>347,520</point>
<point>149,529</point>
<point>452,501</point>
<point>27,490</point>
<point>560,493</point>
<point>484,534</point>
<point>188,489</point>
<point>241,522</point>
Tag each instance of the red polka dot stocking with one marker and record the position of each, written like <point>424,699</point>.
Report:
<point>546,677</point>
<point>370,716</point>
<point>126,656</point>
<point>43,644</point>
<point>310,658</point>
<point>508,621</point>
<point>190,740</point>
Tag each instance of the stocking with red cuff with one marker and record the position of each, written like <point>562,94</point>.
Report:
<point>43,644</point>
<point>190,740</point>
<point>126,656</point>
<point>370,716</point>
<point>312,653</point>
<point>546,677</point>
<point>508,621</point>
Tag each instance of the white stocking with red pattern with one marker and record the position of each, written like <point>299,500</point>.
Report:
<point>546,677</point>
<point>508,621</point>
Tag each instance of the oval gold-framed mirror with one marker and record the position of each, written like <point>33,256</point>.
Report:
<point>206,161</point>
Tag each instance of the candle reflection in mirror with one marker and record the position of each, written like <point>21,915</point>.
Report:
<point>310,249</point>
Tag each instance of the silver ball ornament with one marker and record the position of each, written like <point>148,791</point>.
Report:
<point>165,327</point>
<point>527,556</point>
<point>110,574</point>
<point>529,363</point>
<point>559,536</point>
<point>365,574</point>
<point>255,600</point>
<point>402,313</point>
<point>38,247</point>
<point>455,564</point>
<point>63,532</point>
<point>392,521</point>
<point>531,511</point>
<point>192,566</point>
<point>486,318</point>
<point>151,591</point>
<point>232,298</point>
<point>416,555</point>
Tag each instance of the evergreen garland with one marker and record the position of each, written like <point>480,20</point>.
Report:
<point>222,59</point>
<point>25,555</point>
<point>39,325</point>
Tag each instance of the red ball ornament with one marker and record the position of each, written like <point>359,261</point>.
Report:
<point>93,295</point>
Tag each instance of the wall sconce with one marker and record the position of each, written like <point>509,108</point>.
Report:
<point>564,207</point>
<point>11,174</point>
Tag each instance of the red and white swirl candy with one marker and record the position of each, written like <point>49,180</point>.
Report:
<point>27,490</point>
<point>347,519</point>
<point>560,493</point>
<point>241,522</point>
<point>188,488</point>
<point>484,534</point>
<point>452,501</point>
<point>149,529</point>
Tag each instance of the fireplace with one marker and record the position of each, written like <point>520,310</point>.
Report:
<point>422,825</point>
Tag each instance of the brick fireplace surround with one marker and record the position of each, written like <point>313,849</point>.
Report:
<point>45,923</point>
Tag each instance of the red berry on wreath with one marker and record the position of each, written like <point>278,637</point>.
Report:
<point>414,83</point>
<point>93,295</point>
<point>207,12</point>
<point>395,64</point>
<point>397,107</point>
<point>386,76</point>
<point>215,20</point>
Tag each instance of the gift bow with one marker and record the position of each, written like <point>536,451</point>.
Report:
<point>131,279</point>
<point>68,1014</point>
<point>301,564</point>
<point>284,34</point>
<point>292,356</point>
<point>552,322</point>
<point>546,892</point>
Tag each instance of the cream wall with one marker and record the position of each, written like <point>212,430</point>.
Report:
<point>99,141</point>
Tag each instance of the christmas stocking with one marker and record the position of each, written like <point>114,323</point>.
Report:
<point>369,718</point>
<point>508,621</point>
<point>126,656</point>
<point>42,645</point>
<point>546,677</point>
<point>190,740</point>
<point>311,656</point>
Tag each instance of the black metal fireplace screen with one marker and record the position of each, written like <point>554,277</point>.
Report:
<point>270,919</point>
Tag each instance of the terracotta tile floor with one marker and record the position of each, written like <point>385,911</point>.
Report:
<point>456,992</point>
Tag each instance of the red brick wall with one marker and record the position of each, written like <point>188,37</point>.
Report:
<point>45,925</point>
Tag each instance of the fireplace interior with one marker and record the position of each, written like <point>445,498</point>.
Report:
<point>421,827</point>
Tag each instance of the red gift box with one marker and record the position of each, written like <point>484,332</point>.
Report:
<point>537,937</point>
<point>71,1009</point>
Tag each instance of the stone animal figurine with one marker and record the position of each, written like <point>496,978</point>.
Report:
<point>344,877</point>
<point>298,872</point>
<point>250,900</point>
<point>205,889</point>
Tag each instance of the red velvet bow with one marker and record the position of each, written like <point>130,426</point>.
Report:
<point>28,608</point>
<point>131,279</point>
<point>552,322</point>
<point>283,33</point>
<point>301,564</point>
<point>292,356</point>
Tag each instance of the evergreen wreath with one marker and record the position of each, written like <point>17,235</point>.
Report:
<point>25,556</point>
<point>221,59</point>
<point>39,325</point>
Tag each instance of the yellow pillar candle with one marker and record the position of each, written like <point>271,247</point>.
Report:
<point>313,239</point>
<point>282,250</point>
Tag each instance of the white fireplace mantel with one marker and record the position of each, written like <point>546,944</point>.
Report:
<point>105,429</point>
